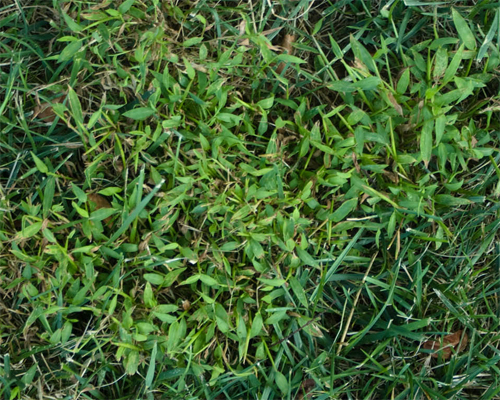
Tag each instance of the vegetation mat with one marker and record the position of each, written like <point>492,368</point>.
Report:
<point>260,199</point>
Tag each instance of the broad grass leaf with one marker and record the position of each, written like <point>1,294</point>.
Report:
<point>489,37</point>
<point>440,63</point>
<point>66,331</point>
<point>335,47</point>
<point>362,54</point>
<point>276,317</point>
<point>305,257</point>
<point>167,318</point>
<point>166,308</point>
<point>69,51</point>
<point>229,246</point>
<point>75,27</point>
<point>208,280</point>
<point>464,32</point>
<point>391,226</point>
<point>203,52</point>
<point>189,68</point>
<point>79,193</point>
<point>282,383</point>
<point>256,248</point>
<point>290,59</point>
<point>103,214</point>
<point>449,200</point>
<point>47,234</point>
<point>112,305</point>
<point>40,165</point>
<point>440,126</point>
<point>299,291</point>
<point>149,299</point>
<point>124,7</point>
<point>257,325</point>
<point>151,369</point>
<point>426,141</point>
<point>110,191</point>
<point>132,362</point>
<point>370,83</point>
<point>241,330</point>
<point>155,279</point>
<point>190,280</point>
<point>139,114</point>
<point>221,318</point>
<point>145,328</point>
<point>266,103</point>
<point>75,105</point>
<point>173,336</point>
<point>205,144</point>
<point>28,376</point>
<point>272,282</point>
<point>32,317</point>
<point>453,66</point>
<point>31,230</point>
<point>344,210</point>
<point>324,148</point>
<point>161,312</point>
<point>451,96</point>
<point>192,41</point>
<point>172,276</point>
<point>403,82</point>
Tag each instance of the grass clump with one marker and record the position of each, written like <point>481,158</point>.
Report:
<point>249,200</point>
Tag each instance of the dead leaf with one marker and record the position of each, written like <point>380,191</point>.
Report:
<point>246,42</point>
<point>100,202</point>
<point>395,104</point>
<point>186,305</point>
<point>183,228</point>
<point>286,44</point>
<point>45,111</point>
<point>293,314</point>
<point>392,176</point>
<point>305,387</point>
<point>242,27</point>
<point>200,68</point>
<point>363,198</point>
<point>473,141</point>
<point>100,5</point>
<point>355,161</point>
<point>448,342</point>
<point>358,64</point>
<point>313,330</point>
<point>118,165</point>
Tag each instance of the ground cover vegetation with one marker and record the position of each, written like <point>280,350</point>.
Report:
<point>260,199</point>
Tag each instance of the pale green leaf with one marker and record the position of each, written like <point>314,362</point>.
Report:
<point>139,114</point>
<point>463,29</point>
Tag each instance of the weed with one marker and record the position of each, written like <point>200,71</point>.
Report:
<point>262,199</point>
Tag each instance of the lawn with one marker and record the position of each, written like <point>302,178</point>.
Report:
<point>249,199</point>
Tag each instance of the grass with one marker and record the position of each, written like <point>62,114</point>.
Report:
<point>255,200</point>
